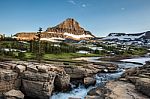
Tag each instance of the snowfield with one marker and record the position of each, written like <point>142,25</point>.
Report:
<point>124,37</point>
<point>77,36</point>
<point>53,39</point>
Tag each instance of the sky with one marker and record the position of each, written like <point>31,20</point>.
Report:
<point>101,17</point>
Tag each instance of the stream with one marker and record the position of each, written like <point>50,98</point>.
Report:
<point>101,78</point>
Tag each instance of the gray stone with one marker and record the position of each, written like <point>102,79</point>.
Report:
<point>14,94</point>
<point>20,68</point>
<point>89,81</point>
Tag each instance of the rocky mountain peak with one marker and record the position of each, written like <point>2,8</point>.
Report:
<point>71,24</point>
<point>68,29</point>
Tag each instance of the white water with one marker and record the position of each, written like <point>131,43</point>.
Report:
<point>101,78</point>
<point>81,91</point>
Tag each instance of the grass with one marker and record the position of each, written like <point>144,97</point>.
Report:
<point>29,56</point>
<point>62,56</point>
<point>67,56</point>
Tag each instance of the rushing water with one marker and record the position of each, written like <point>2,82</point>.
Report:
<point>101,78</point>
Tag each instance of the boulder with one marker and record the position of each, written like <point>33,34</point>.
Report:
<point>20,68</point>
<point>75,73</point>
<point>38,85</point>
<point>43,68</point>
<point>62,83</point>
<point>14,94</point>
<point>36,89</point>
<point>89,81</point>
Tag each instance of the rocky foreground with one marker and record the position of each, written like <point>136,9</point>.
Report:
<point>134,84</point>
<point>38,80</point>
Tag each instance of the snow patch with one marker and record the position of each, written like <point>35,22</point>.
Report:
<point>53,39</point>
<point>77,36</point>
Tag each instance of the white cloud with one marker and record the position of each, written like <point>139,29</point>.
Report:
<point>72,2</point>
<point>79,4</point>
<point>84,5</point>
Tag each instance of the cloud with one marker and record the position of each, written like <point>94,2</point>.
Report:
<point>72,2</point>
<point>122,8</point>
<point>78,4</point>
<point>84,5</point>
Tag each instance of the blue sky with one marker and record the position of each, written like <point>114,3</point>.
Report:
<point>101,17</point>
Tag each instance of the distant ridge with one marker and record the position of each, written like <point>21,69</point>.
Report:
<point>126,36</point>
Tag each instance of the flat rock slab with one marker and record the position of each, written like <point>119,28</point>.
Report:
<point>14,94</point>
<point>123,90</point>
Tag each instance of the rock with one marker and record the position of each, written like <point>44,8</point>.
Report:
<point>143,85</point>
<point>75,72</point>
<point>43,69</point>
<point>20,68</point>
<point>5,65</point>
<point>33,79</point>
<point>73,98</point>
<point>32,68</point>
<point>99,91</point>
<point>36,89</point>
<point>43,77</point>
<point>93,97</point>
<point>14,94</point>
<point>38,85</point>
<point>132,79</point>
<point>89,81</point>
<point>62,83</point>
<point>8,80</point>
<point>129,72</point>
<point>116,90</point>
<point>26,36</point>
<point>123,90</point>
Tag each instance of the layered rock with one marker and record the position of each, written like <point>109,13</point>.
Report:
<point>140,77</point>
<point>83,72</point>
<point>25,36</point>
<point>8,80</point>
<point>33,79</point>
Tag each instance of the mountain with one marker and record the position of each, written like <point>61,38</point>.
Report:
<point>68,29</point>
<point>127,37</point>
